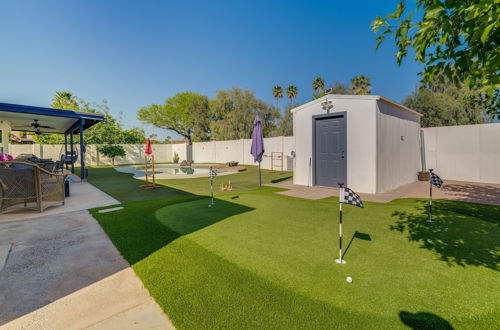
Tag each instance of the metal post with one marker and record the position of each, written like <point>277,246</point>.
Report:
<point>341,201</point>
<point>212,187</point>
<point>65,149</point>
<point>71,150</point>
<point>260,177</point>
<point>82,151</point>
<point>430,198</point>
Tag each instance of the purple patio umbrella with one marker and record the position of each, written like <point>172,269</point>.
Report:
<point>257,149</point>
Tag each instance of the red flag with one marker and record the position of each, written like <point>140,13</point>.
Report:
<point>148,150</point>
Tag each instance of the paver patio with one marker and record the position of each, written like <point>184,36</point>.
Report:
<point>473,192</point>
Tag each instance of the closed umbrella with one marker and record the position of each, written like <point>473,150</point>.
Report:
<point>148,150</point>
<point>257,149</point>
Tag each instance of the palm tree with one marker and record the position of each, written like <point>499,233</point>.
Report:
<point>318,84</point>
<point>291,92</point>
<point>277,94</point>
<point>360,85</point>
<point>65,100</point>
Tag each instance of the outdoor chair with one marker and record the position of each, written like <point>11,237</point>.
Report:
<point>69,158</point>
<point>30,185</point>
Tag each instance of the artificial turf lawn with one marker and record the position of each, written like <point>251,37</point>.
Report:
<point>262,260</point>
<point>124,187</point>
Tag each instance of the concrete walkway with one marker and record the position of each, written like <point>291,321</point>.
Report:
<point>63,272</point>
<point>473,192</point>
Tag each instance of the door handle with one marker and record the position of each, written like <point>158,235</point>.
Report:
<point>343,156</point>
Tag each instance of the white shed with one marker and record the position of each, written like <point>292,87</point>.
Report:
<point>368,142</point>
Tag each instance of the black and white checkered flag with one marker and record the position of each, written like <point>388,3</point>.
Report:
<point>436,180</point>
<point>350,197</point>
<point>212,174</point>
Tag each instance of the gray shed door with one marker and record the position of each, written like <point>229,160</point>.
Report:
<point>330,151</point>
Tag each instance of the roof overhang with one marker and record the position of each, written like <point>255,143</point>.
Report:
<point>357,97</point>
<point>58,121</point>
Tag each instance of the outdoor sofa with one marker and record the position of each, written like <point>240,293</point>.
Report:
<point>25,183</point>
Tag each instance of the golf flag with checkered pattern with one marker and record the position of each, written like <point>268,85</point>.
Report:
<point>350,197</point>
<point>346,196</point>
<point>434,180</point>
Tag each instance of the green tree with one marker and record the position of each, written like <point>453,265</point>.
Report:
<point>340,88</point>
<point>360,85</point>
<point>286,122</point>
<point>65,100</point>
<point>292,93</point>
<point>186,113</point>
<point>337,88</point>
<point>233,112</point>
<point>112,151</point>
<point>277,94</point>
<point>318,86</point>
<point>444,104</point>
<point>456,40</point>
<point>110,131</point>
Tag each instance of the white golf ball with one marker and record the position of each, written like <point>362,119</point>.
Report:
<point>349,279</point>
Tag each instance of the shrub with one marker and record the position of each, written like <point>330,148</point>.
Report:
<point>176,157</point>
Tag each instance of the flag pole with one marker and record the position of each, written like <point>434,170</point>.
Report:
<point>341,201</point>
<point>430,197</point>
<point>211,187</point>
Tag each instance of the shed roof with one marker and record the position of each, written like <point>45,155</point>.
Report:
<point>21,118</point>
<point>357,97</point>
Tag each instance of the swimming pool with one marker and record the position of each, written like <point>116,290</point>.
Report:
<point>172,171</point>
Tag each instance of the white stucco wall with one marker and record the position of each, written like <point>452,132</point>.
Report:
<point>398,146</point>
<point>464,153</point>
<point>361,140</point>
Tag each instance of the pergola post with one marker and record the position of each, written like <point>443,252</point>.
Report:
<point>82,151</point>
<point>65,149</point>
<point>72,150</point>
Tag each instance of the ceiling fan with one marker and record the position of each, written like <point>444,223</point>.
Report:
<point>36,126</point>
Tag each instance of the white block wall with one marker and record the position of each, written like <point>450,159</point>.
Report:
<point>239,150</point>
<point>464,153</point>
<point>134,153</point>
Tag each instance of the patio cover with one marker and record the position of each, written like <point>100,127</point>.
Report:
<point>67,122</point>
<point>62,121</point>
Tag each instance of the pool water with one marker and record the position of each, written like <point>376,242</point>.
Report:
<point>170,171</point>
<point>178,171</point>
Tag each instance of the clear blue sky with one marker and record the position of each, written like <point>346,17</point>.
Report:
<point>134,53</point>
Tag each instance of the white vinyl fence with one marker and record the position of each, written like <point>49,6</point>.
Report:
<point>464,153</point>
<point>202,152</point>
<point>134,153</point>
